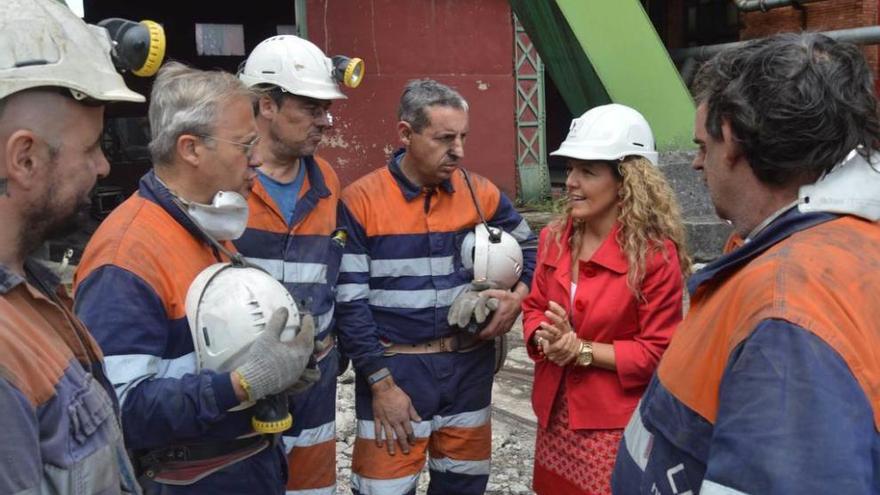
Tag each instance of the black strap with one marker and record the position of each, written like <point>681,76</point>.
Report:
<point>195,452</point>
<point>467,180</point>
<point>494,232</point>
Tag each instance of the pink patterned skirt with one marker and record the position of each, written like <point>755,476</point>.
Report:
<point>573,462</point>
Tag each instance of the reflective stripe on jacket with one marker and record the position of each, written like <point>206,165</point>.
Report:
<point>772,382</point>
<point>305,258</point>
<point>402,264</point>
<point>131,288</point>
<point>302,256</point>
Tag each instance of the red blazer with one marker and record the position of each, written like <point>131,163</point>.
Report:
<point>605,310</point>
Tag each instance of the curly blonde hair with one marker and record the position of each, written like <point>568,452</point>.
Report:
<point>649,215</point>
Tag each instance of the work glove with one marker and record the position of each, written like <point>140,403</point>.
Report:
<point>472,302</point>
<point>312,373</point>
<point>272,365</point>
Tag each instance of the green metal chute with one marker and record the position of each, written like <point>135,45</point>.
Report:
<point>563,58</point>
<point>602,51</point>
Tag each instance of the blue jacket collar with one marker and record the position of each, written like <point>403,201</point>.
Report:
<point>42,276</point>
<point>316,177</point>
<point>789,223</point>
<point>317,190</point>
<point>410,191</point>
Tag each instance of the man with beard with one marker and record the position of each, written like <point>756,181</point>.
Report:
<point>421,381</point>
<point>58,412</point>
<point>292,221</point>
<point>132,285</point>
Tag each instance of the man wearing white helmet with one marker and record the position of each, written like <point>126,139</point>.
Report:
<point>405,289</point>
<point>291,226</point>
<point>182,419</point>
<point>58,412</point>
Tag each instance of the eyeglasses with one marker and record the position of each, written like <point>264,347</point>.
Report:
<point>247,147</point>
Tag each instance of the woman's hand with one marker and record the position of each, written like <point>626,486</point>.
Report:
<point>563,350</point>
<point>555,338</point>
<point>557,324</point>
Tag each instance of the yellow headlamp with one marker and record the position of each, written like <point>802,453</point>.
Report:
<point>348,71</point>
<point>138,47</point>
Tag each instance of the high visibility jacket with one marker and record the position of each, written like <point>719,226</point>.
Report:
<point>58,414</point>
<point>402,264</point>
<point>772,382</point>
<point>303,256</point>
<point>130,289</point>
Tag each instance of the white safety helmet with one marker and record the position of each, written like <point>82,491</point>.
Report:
<point>228,307</point>
<point>494,255</point>
<point>609,132</point>
<point>44,44</point>
<point>293,64</point>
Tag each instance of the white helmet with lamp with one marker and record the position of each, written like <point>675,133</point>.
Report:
<point>299,67</point>
<point>44,44</point>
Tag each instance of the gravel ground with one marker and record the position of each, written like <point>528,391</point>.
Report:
<point>513,427</point>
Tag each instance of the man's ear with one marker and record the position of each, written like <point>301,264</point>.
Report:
<point>405,131</point>
<point>266,107</point>
<point>24,154</point>
<point>191,149</point>
<point>732,151</point>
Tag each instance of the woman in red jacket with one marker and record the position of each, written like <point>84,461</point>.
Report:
<point>606,296</point>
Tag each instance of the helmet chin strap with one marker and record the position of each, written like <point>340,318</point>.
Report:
<point>494,232</point>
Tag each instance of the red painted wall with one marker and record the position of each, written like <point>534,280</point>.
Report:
<point>465,44</point>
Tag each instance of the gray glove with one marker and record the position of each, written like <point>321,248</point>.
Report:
<point>472,302</point>
<point>272,366</point>
<point>311,374</point>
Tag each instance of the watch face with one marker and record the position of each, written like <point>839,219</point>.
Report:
<point>585,358</point>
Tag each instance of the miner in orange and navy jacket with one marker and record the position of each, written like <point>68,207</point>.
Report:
<point>290,233</point>
<point>772,382</point>
<point>423,387</point>
<point>131,289</point>
<point>59,419</point>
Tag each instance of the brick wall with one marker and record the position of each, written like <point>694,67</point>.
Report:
<point>819,16</point>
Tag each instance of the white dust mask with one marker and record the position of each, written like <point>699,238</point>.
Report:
<point>224,219</point>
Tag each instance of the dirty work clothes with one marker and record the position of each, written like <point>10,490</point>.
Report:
<point>130,289</point>
<point>452,393</point>
<point>310,445</point>
<point>301,253</point>
<point>772,382</point>
<point>400,273</point>
<point>58,415</point>
<point>402,264</point>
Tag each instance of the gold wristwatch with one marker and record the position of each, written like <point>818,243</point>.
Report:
<point>585,354</point>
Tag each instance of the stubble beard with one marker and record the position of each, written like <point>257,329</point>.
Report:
<point>48,220</point>
<point>286,152</point>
